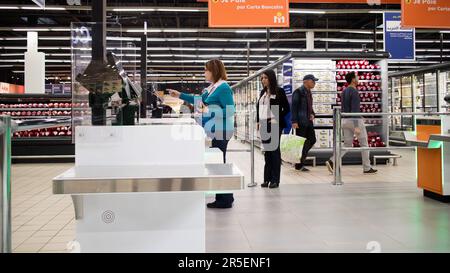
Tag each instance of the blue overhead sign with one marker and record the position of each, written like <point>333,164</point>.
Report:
<point>287,77</point>
<point>398,41</point>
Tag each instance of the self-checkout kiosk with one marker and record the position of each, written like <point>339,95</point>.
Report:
<point>432,142</point>
<point>135,196</point>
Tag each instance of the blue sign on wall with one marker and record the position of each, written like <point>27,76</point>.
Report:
<point>398,41</point>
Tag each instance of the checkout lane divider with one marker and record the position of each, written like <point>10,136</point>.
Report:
<point>7,128</point>
<point>337,142</point>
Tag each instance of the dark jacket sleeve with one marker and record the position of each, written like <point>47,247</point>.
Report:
<point>295,105</point>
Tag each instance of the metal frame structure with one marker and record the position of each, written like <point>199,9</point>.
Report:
<point>338,115</point>
<point>7,127</point>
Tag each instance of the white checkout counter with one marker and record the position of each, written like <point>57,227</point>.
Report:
<point>432,142</point>
<point>142,188</point>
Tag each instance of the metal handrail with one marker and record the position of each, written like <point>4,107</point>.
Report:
<point>337,143</point>
<point>396,114</point>
<point>7,127</point>
<point>259,72</point>
<point>35,124</point>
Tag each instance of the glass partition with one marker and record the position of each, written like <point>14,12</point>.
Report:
<point>102,91</point>
<point>430,92</point>
<point>396,104</point>
<point>406,103</point>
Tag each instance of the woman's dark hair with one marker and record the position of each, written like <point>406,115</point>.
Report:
<point>273,84</point>
<point>349,77</point>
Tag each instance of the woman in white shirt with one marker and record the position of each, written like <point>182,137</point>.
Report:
<point>272,108</point>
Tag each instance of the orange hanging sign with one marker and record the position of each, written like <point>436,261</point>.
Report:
<point>248,13</point>
<point>426,13</point>
<point>368,2</point>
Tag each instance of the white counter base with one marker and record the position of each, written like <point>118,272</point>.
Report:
<point>141,222</point>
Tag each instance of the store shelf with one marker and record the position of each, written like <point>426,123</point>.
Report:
<point>358,70</point>
<point>316,70</point>
<point>343,81</point>
<point>43,139</point>
<point>323,127</point>
<point>324,116</point>
<point>378,102</point>
<point>35,109</point>
<point>39,117</point>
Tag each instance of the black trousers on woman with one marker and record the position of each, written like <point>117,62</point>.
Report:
<point>222,199</point>
<point>272,156</point>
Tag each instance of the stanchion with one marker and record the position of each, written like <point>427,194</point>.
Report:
<point>5,190</point>
<point>252,150</point>
<point>337,142</point>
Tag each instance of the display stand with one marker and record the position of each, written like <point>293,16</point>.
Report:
<point>130,197</point>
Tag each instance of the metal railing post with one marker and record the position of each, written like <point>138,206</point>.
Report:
<point>252,150</point>
<point>337,143</point>
<point>5,190</point>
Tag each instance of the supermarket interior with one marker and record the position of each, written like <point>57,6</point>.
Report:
<point>205,126</point>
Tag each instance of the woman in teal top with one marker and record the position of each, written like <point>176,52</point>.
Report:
<point>217,107</point>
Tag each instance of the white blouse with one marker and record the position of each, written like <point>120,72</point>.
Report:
<point>264,107</point>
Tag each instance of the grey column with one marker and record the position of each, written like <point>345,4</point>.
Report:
<point>337,143</point>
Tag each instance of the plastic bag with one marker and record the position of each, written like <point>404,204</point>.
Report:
<point>291,147</point>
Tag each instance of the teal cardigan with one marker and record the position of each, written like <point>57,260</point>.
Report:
<point>220,102</point>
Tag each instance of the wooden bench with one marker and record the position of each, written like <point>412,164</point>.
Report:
<point>390,157</point>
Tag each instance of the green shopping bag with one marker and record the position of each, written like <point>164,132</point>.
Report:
<point>291,147</point>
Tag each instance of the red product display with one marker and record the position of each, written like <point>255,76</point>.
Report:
<point>370,94</point>
<point>24,111</point>
<point>373,138</point>
<point>49,132</point>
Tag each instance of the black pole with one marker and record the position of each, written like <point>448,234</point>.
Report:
<point>99,30</point>
<point>144,75</point>
<point>375,34</point>
<point>442,47</point>
<point>248,58</point>
<point>98,100</point>
<point>268,45</point>
<point>326,42</point>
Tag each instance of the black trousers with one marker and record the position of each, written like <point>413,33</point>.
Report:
<point>222,198</point>
<point>272,157</point>
<point>307,131</point>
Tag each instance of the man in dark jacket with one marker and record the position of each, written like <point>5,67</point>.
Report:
<point>303,116</point>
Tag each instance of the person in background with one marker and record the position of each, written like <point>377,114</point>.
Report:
<point>271,110</point>
<point>217,105</point>
<point>353,126</point>
<point>303,116</point>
